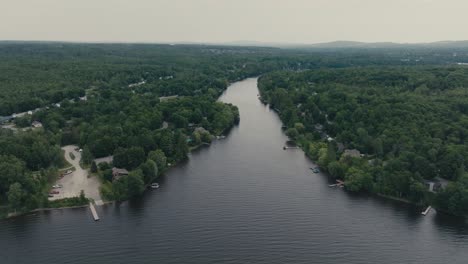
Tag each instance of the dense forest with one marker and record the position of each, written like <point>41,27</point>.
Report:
<point>386,130</point>
<point>147,105</point>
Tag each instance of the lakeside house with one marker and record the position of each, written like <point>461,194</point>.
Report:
<point>201,130</point>
<point>436,185</point>
<point>36,124</point>
<point>118,173</point>
<point>137,84</point>
<point>108,160</point>
<point>166,98</point>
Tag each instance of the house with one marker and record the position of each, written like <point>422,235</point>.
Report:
<point>166,98</point>
<point>436,185</point>
<point>318,127</point>
<point>36,124</point>
<point>19,115</point>
<point>201,130</point>
<point>118,173</point>
<point>108,160</point>
<point>354,153</point>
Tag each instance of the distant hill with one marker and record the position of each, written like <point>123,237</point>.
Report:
<point>353,45</point>
<point>385,45</point>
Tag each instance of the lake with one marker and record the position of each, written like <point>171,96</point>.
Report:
<point>242,200</point>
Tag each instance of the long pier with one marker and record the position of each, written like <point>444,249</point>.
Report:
<point>425,212</point>
<point>93,211</point>
<point>285,147</point>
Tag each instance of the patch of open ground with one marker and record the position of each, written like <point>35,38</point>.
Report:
<point>78,180</point>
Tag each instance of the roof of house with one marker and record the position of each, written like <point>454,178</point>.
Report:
<point>119,171</point>
<point>352,153</point>
<point>200,130</point>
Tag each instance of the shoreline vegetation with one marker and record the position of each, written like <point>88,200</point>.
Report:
<point>393,132</point>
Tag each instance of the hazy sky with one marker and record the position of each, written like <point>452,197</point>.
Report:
<point>295,21</point>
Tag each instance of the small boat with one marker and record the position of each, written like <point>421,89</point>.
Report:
<point>332,185</point>
<point>155,185</point>
<point>315,170</point>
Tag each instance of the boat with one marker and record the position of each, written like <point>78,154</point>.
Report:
<point>154,185</point>
<point>332,185</point>
<point>315,170</point>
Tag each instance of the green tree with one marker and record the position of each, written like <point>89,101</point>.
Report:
<point>135,183</point>
<point>159,157</point>
<point>86,156</point>
<point>150,170</point>
<point>358,180</point>
<point>94,167</point>
<point>336,169</point>
<point>15,196</point>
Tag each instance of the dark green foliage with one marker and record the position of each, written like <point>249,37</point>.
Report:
<point>128,186</point>
<point>94,167</point>
<point>69,202</point>
<point>129,158</point>
<point>150,170</point>
<point>159,158</point>
<point>86,156</point>
<point>411,124</point>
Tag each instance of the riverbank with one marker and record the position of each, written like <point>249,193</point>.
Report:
<point>300,144</point>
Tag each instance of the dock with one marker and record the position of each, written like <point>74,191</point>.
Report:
<point>340,183</point>
<point>290,147</point>
<point>93,211</point>
<point>427,210</point>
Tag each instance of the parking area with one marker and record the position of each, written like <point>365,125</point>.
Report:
<point>72,183</point>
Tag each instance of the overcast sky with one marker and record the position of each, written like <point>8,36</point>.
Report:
<point>293,21</point>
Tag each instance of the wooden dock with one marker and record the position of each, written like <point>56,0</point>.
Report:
<point>426,211</point>
<point>93,211</point>
<point>290,147</point>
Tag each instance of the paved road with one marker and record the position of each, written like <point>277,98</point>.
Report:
<point>78,180</point>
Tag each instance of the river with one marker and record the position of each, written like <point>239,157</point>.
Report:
<point>242,200</point>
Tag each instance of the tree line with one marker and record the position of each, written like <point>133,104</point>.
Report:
<point>409,123</point>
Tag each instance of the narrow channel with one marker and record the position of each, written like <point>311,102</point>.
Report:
<point>242,200</point>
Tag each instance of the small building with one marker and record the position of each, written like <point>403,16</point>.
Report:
<point>167,98</point>
<point>201,130</point>
<point>436,185</point>
<point>354,153</point>
<point>108,160</point>
<point>18,115</point>
<point>118,173</point>
<point>36,124</point>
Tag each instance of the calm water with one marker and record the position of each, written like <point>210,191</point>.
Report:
<point>242,200</point>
